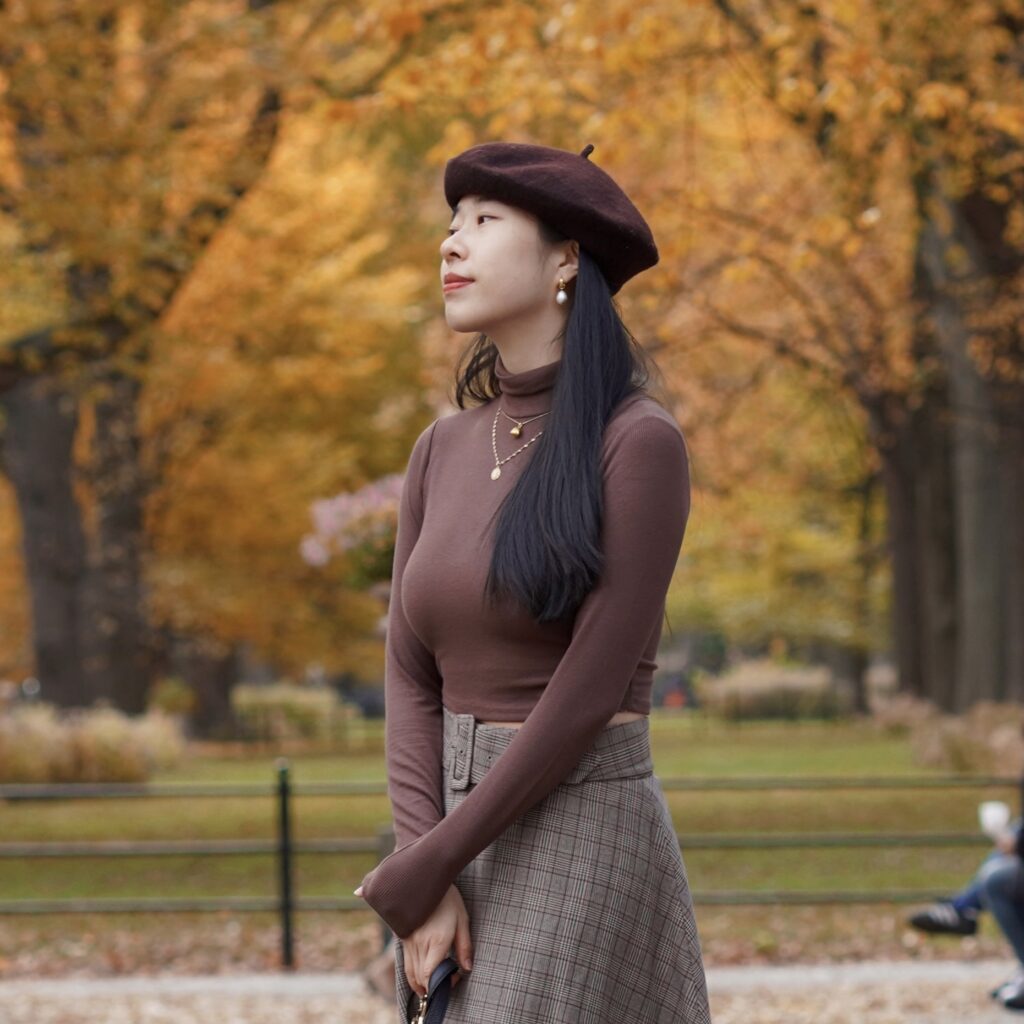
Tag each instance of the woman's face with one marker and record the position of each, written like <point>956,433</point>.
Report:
<point>513,273</point>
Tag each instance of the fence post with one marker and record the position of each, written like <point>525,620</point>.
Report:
<point>385,845</point>
<point>284,861</point>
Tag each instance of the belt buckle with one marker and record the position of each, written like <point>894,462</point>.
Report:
<point>462,755</point>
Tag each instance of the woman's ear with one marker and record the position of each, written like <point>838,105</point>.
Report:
<point>570,265</point>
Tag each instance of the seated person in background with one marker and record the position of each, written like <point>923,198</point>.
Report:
<point>959,914</point>
<point>998,886</point>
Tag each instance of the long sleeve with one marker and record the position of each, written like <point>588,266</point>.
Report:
<point>646,505</point>
<point>413,721</point>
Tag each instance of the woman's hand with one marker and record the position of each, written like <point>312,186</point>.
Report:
<point>428,945</point>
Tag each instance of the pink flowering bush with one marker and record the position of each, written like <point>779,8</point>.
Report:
<point>360,527</point>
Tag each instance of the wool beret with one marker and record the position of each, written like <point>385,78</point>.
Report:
<point>564,190</point>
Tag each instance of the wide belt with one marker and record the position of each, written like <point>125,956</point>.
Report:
<point>621,751</point>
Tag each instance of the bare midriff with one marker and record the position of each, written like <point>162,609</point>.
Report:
<point>616,719</point>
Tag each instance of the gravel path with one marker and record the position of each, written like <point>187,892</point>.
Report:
<point>882,993</point>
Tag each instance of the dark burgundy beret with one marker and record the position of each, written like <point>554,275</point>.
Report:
<point>566,191</point>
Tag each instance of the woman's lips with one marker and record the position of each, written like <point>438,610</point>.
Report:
<point>452,285</point>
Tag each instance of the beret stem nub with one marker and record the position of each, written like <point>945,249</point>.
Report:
<point>587,150</point>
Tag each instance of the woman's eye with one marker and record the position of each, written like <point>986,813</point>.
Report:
<point>479,216</point>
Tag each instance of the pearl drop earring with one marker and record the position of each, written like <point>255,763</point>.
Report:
<point>562,295</point>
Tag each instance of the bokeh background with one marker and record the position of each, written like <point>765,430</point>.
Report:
<point>221,329</point>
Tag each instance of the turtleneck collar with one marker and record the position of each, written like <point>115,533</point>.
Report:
<point>529,391</point>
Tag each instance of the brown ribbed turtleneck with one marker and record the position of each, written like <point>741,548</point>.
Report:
<point>447,646</point>
<point>527,392</point>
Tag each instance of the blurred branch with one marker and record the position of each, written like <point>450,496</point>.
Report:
<point>860,287</point>
<point>781,344</point>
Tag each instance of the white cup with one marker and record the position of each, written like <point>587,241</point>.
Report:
<point>994,816</point>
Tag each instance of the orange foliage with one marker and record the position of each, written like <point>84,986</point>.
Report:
<point>772,149</point>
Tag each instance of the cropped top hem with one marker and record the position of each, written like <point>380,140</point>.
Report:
<point>498,716</point>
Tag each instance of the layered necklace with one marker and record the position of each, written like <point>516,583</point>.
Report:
<point>516,431</point>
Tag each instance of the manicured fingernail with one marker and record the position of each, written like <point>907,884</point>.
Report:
<point>358,892</point>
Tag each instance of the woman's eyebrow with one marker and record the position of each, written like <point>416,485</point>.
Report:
<point>483,202</point>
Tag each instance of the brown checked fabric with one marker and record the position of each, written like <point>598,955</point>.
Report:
<point>581,910</point>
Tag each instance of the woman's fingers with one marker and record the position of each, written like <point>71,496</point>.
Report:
<point>426,963</point>
<point>412,968</point>
<point>463,942</point>
<point>429,944</point>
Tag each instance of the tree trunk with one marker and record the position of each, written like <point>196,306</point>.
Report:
<point>979,493</point>
<point>41,422</point>
<point>913,442</point>
<point>127,655</point>
<point>901,522</point>
<point>934,538</point>
<point>1012,475</point>
<point>210,670</point>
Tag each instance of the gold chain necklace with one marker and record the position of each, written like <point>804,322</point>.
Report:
<point>515,431</point>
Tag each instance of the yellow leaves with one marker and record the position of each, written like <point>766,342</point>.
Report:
<point>738,271</point>
<point>796,94</point>
<point>458,135</point>
<point>935,101</point>
<point>830,229</point>
<point>777,35</point>
<point>311,375</point>
<point>839,96</point>
<point>311,303</point>
<point>851,246</point>
<point>804,258</point>
<point>778,548</point>
<point>584,85</point>
<point>31,283</point>
<point>747,243</point>
<point>1014,233</point>
<point>404,22</point>
<point>551,30</point>
<point>999,117</point>
<point>887,101</point>
<point>15,619</point>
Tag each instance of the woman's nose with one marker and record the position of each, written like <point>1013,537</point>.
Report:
<point>450,245</point>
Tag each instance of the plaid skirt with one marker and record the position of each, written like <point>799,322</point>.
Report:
<point>580,912</point>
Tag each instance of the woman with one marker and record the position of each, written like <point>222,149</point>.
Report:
<point>539,528</point>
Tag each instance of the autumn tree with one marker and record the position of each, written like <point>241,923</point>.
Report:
<point>130,136</point>
<point>922,107</point>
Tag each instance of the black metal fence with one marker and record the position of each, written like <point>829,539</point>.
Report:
<point>284,846</point>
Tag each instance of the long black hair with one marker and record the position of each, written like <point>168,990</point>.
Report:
<point>547,553</point>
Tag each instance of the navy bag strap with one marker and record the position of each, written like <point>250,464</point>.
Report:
<point>432,1008</point>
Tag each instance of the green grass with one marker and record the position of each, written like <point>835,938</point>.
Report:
<point>683,747</point>
<point>697,746</point>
